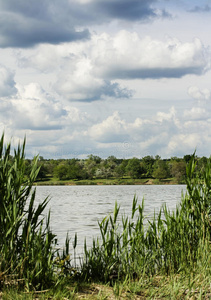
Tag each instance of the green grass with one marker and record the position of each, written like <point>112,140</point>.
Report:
<point>110,181</point>
<point>193,286</point>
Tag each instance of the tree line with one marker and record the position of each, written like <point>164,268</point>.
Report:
<point>95,167</point>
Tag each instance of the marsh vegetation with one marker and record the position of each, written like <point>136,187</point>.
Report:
<point>167,257</point>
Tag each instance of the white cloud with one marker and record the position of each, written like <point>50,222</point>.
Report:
<point>161,116</point>
<point>92,70</point>
<point>112,129</point>
<point>34,109</point>
<point>196,113</point>
<point>159,61</point>
<point>198,94</point>
<point>128,56</point>
<point>144,134</point>
<point>81,84</point>
<point>58,130</point>
<point>184,143</point>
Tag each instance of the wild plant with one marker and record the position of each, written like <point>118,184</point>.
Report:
<point>27,245</point>
<point>169,243</point>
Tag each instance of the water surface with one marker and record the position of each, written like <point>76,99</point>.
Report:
<point>77,209</point>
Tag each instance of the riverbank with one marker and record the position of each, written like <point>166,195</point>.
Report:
<point>180,286</point>
<point>110,181</point>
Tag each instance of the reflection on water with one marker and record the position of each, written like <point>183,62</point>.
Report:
<point>79,208</point>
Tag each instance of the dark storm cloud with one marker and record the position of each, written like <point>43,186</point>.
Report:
<point>28,33</point>
<point>26,23</point>
<point>123,9</point>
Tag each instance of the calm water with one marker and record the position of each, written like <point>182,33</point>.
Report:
<point>78,208</point>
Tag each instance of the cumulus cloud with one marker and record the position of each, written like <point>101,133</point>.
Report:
<point>124,55</point>
<point>7,82</point>
<point>73,58</point>
<point>184,143</point>
<point>92,70</point>
<point>165,133</point>
<point>50,126</point>
<point>34,109</point>
<point>144,132</point>
<point>128,57</point>
<point>81,84</point>
<point>112,129</point>
<point>55,129</point>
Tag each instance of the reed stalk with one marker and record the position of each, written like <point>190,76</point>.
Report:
<point>166,245</point>
<point>28,248</point>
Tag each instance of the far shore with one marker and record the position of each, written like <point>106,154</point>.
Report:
<point>112,181</point>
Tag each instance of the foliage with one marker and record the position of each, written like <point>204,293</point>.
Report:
<point>148,162</point>
<point>178,170</point>
<point>27,244</point>
<point>161,170</point>
<point>172,242</point>
<point>94,167</point>
<point>131,250</point>
<point>70,170</point>
<point>134,168</point>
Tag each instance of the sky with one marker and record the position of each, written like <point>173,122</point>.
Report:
<point>127,78</point>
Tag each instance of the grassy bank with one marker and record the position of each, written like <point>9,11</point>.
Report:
<point>190,286</point>
<point>169,258</point>
<point>111,181</point>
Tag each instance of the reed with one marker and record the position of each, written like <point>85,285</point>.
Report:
<point>128,248</point>
<point>28,253</point>
<point>171,242</point>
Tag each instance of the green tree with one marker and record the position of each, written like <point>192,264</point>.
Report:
<point>76,170</point>
<point>161,170</point>
<point>178,170</point>
<point>134,168</point>
<point>61,171</point>
<point>94,158</point>
<point>148,162</point>
<point>120,170</point>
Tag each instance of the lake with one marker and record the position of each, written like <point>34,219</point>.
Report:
<point>77,209</point>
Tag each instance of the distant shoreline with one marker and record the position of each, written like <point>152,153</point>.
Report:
<point>114,181</point>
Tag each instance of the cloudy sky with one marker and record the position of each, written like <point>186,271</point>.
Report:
<point>128,78</point>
